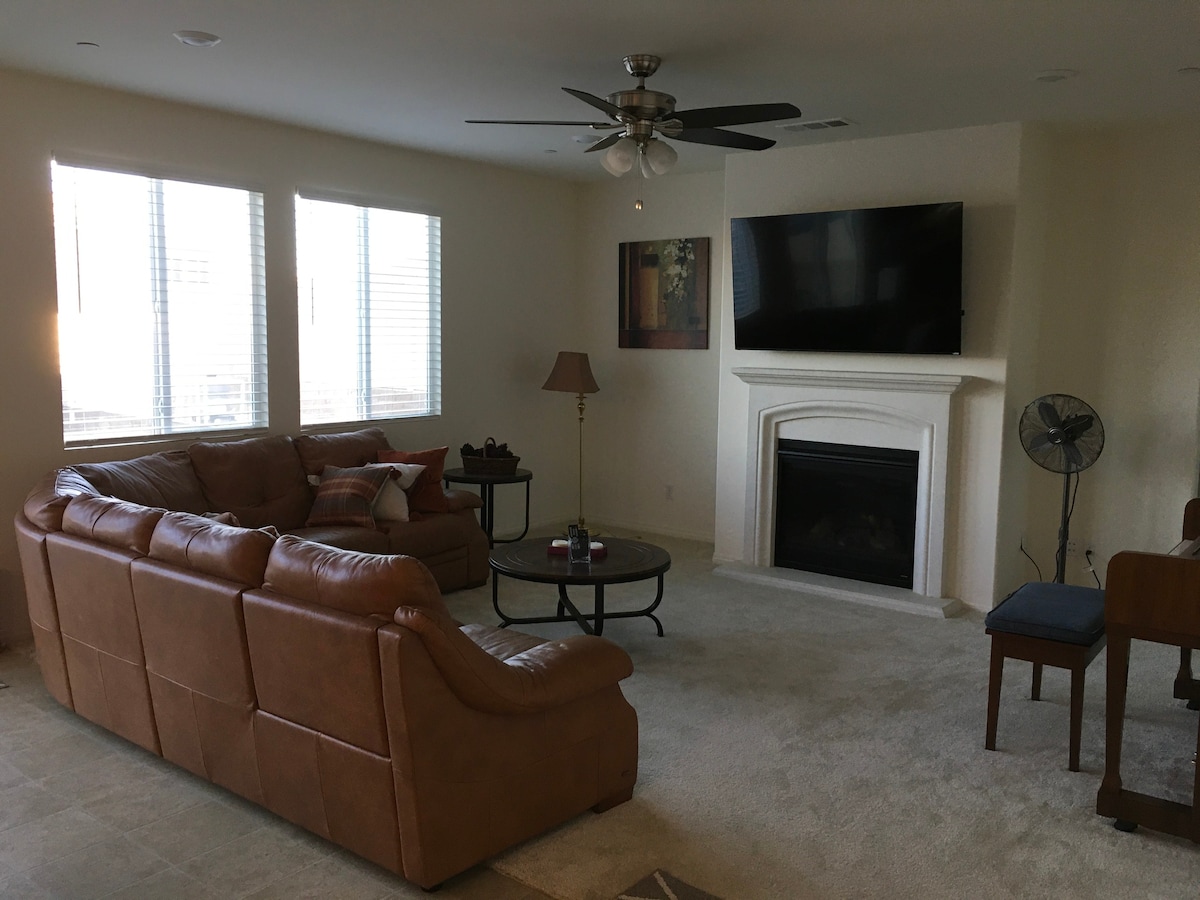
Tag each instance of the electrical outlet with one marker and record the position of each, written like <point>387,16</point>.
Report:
<point>1076,547</point>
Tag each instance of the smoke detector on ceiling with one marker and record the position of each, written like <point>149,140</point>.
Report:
<point>197,38</point>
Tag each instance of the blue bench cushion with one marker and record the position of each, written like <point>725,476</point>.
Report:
<point>1054,612</point>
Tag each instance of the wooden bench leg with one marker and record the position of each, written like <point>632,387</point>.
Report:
<point>1077,680</point>
<point>995,676</point>
<point>1036,692</point>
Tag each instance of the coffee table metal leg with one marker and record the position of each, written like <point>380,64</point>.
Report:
<point>580,620</point>
<point>566,611</point>
<point>505,621</point>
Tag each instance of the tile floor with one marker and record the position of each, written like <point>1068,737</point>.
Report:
<point>84,814</point>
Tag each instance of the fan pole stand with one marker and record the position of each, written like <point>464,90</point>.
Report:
<point>1060,569</point>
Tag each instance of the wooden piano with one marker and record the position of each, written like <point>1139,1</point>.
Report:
<point>1151,597</point>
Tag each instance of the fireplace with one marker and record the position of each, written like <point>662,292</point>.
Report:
<point>896,411</point>
<point>846,510</point>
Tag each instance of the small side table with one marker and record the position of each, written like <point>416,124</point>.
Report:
<point>487,485</point>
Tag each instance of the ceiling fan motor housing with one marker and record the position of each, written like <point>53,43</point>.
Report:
<point>642,103</point>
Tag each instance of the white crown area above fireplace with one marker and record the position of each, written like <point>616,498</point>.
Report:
<point>904,411</point>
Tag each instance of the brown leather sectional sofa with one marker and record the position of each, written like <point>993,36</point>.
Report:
<point>331,686</point>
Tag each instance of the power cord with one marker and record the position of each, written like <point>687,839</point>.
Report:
<point>1032,560</point>
<point>1091,566</point>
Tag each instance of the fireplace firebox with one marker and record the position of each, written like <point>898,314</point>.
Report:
<point>846,510</point>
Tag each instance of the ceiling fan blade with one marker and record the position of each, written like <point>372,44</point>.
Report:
<point>721,138</point>
<point>603,105</point>
<point>538,122</point>
<point>746,114</point>
<point>606,143</point>
<point>1049,414</point>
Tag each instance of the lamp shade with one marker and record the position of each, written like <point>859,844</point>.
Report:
<point>572,374</point>
<point>618,159</point>
<point>657,158</point>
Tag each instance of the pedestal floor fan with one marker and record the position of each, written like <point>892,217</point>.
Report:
<point>1063,434</point>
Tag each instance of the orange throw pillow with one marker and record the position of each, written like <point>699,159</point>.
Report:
<point>426,494</point>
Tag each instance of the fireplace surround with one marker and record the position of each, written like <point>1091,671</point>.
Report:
<point>896,410</point>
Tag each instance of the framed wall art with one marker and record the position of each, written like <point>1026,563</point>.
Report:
<point>664,294</point>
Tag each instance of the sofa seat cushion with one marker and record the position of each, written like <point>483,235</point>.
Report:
<point>259,480</point>
<point>346,537</point>
<point>166,480</point>
<point>345,450</point>
<point>361,583</point>
<point>432,535</point>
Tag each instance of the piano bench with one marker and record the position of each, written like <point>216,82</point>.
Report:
<point>1047,624</point>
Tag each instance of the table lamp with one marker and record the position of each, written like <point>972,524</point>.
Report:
<point>572,374</point>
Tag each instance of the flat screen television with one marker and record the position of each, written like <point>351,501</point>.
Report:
<point>885,280</point>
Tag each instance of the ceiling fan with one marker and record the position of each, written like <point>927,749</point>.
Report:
<point>636,115</point>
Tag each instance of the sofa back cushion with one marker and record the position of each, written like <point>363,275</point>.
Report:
<point>117,523</point>
<point>360,583</point>
<point>346,450</point>
<point>45,504</point>
<point>165,479</point>
<point>259,480</point>
<point>211,548</point>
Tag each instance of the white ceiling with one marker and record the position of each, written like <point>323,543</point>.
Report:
<point>409,73</point>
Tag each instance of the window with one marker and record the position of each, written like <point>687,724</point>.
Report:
<point>161,306</point>
<point>370,312</point>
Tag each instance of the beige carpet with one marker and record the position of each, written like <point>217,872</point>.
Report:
<point>797,747</point>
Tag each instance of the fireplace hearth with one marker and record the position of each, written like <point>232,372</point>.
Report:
<point>846,510</point>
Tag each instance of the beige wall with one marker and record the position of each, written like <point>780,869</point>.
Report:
<point>654,423</point>
<point>509,277</point>
<point>1120,328</point>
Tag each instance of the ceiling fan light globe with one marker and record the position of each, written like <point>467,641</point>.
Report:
<point>659,156</point>
<point>618,159</point>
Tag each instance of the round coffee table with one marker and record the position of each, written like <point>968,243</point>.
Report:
<point>625,561</point>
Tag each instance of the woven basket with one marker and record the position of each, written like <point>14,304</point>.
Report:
<point>490,465</point>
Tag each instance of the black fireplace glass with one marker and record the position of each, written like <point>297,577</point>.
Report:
<point>846,510</point>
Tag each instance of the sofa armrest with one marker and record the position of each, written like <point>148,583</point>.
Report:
<point>539,678</point>
<point>461,499</point>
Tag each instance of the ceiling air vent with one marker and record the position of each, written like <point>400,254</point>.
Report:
<point>816,124</point>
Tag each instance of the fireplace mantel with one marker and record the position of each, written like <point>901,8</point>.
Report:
<point>900,410</point>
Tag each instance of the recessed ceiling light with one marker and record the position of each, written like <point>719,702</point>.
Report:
<point>197,38</point>
<point>1050,76</point>
<point>86,44</point>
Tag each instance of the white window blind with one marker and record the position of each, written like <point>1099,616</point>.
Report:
<point>161,306</point>
<point>369,284</point>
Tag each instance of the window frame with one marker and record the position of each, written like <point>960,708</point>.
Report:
<point>260,363</point>
<point>434,317</point>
